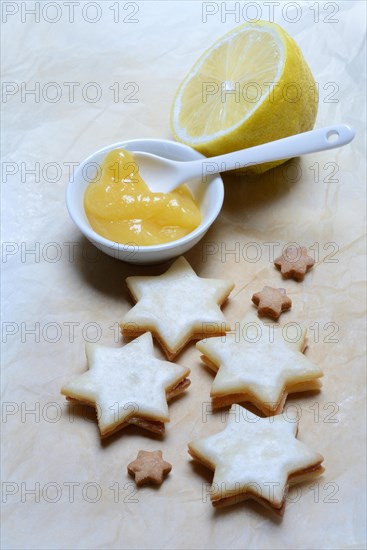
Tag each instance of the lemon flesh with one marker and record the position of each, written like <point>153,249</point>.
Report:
<point>251,87</point>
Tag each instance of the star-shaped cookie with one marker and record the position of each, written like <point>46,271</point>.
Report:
<point>128,385</point>
<point>271,302</point>
<point>257,364</point>
<point>294,262</point>
<point>176,306</point>
<point>255,458</point>
<point>149,467</point>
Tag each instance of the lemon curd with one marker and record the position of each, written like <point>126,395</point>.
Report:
<point>121,208</point>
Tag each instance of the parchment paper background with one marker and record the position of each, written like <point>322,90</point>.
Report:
<point>66,292</point>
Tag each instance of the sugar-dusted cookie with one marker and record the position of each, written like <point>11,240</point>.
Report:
<point>128,385</point>
<point>255,458</point>
<point>294,263</point>
<point>271,302</point>
<point>149,467</point>
<point>259,364</point>
<point>176,307</point>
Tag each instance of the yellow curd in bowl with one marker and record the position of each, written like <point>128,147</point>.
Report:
<point>120,206</point>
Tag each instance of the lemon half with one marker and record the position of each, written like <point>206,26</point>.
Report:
<point>251,87</point>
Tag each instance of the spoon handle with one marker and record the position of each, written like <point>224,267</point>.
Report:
<point>322,139</point>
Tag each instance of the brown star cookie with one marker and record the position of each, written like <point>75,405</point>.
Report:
<point>294,262</point>
<point>271,302</point>
<point>149,467</point>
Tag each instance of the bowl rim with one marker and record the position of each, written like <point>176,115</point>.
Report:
<point>94,237</point>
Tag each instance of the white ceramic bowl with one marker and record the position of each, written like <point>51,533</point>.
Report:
<point>209,196</point>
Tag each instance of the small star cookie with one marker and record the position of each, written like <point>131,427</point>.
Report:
<point>258,364</point>
<point>255,458</point>
<point>176,306</point>
<point>271,302</point>
<point>294,262</point>
<point>128,385</point>
<point>149,467</point>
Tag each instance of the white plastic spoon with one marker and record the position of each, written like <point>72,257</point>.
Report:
<point>164,175</point>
